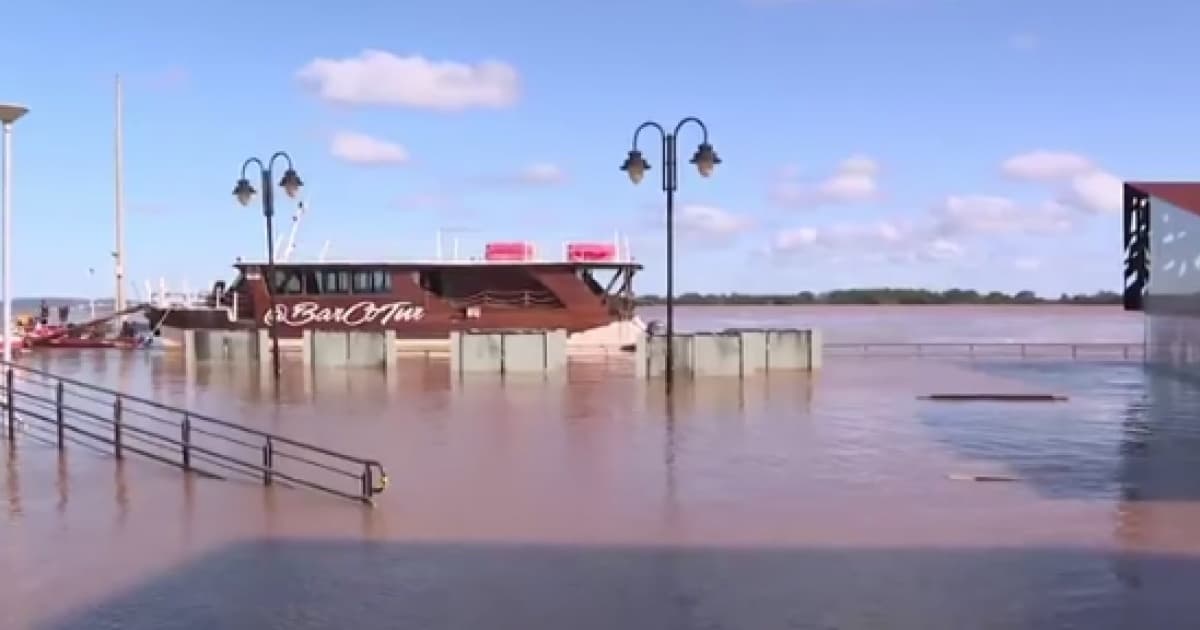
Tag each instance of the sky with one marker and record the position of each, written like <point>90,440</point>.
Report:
<point>927,143</point>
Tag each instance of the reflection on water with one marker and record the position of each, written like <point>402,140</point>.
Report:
<point>593,500</point>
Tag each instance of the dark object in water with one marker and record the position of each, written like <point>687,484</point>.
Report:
<point>970,477</point>
<point>995,397</point>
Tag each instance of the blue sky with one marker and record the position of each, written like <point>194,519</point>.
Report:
<point>865,142</point>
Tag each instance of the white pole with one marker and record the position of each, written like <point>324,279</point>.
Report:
<point>455,249</point>
<point>92,298</point>
<point>119,181</point>
<point>8,115</point>
<point>7,238</point>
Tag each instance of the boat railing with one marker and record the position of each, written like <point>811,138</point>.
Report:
<point>56,410</point>
<point>1035,350</point>
<point>225,301</point>
<point>507,298</point>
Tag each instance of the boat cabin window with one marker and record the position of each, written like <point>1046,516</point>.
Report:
<point>332,281</point>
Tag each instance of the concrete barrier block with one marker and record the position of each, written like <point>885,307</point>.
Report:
<point>787,349</point>
<point>330,349</point>
<point>716,354</point>
<point>364,349</point>
<point>816,350</point>
<point>203,349</point>
<point>523,352</point>
<point>656,355</point>
<point>556,350</point>
<point>656,359</point>
<point>754,349</point>
<point>306,347</point>
<point>480,352</point>
<point>264,347</point>
<point>456,340</point>
<point>389,350</point>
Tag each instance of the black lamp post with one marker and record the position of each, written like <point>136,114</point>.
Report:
<point>705,159</point>
<point>244,191</point>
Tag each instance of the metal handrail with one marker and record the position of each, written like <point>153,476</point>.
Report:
<point>42,402</point>
<point>505,298</point>
<point>1035,349</point>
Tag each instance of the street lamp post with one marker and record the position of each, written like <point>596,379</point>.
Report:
<point>705,159</point>
<point>9,113</point>
<point>244,192</point>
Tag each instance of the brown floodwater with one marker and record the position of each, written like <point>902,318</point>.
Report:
<point>592,501</point>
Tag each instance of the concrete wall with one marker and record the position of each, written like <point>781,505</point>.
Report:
<point>323,348</point>
<point>508,352</point>
<point>717,354</point>
<point>210,345</point>
<point>651,355</point>
<point>319,348</point>
<point>734,352</point>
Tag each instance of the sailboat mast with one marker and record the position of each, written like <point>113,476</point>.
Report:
<point>119,180</point>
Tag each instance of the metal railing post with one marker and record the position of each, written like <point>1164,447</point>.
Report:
<point>268,456</point>
<point>117,449</point>
<point>59,420</point>
<point>185,440</point>
<point>11,411</point>
<point>367,485</point>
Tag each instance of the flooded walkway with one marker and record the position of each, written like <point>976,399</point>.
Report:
<point>796,501</point>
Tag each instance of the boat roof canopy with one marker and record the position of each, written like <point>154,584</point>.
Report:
<point>444,264</point>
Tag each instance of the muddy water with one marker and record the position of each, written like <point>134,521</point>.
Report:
<point>594,502</point>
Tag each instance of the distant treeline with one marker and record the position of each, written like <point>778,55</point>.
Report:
<point>882,296</point>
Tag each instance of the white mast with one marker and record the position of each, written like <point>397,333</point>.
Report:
<point>291,241</point>
<point>119,149</point>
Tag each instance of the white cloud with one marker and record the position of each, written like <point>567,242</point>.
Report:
<point>359,148</point>
<point>1042,165</point>
<point>1097,191</point>
<point>377,77</point>
<point>983,214</point>
<point>542,174</point>
<point>1082,183</point>
<point>871,242</point>
<point>710,221</point>
<point>855,180</point>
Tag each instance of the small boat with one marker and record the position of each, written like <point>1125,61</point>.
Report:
<point>90,334</point>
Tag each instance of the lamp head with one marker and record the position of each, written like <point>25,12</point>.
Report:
<point>290,182</point>
<point>244,191</point>
<point>705,159</point>
<point>10,112</point>
<point>635,166</point>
